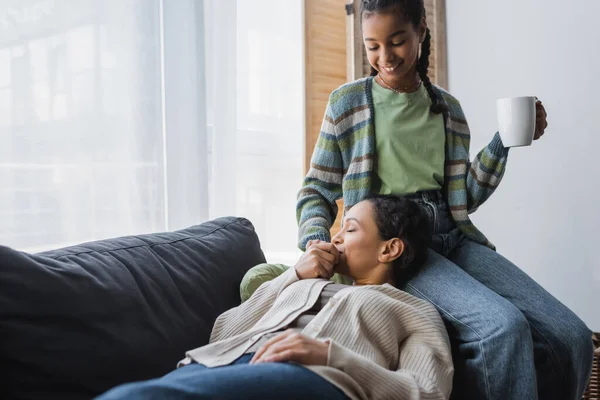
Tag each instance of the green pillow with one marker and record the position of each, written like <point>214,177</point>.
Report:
<point>262,273</point>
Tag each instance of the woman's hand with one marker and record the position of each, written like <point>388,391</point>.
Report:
<point>318,261</point>
<point>293,346</point>
<point>540,120</point>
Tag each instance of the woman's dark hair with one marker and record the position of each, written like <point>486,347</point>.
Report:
<point>414,11</point>
<point>399,217</point>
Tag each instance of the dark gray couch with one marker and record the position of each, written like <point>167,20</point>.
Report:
<point>77,321</point>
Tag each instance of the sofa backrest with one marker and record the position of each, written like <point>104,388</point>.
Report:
<point>77,321</point>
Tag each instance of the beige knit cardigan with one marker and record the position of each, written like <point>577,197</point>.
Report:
<point>384,343</point>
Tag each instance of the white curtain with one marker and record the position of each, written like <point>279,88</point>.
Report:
<point>133,116</point>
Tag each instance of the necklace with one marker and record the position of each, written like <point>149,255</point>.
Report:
<point>403,91</point>
<point>399,90</point>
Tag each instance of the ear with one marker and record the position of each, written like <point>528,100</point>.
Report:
<point>422,30</point>
<point>392,249</point>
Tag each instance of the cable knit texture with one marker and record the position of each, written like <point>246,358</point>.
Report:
<point>384,343</point>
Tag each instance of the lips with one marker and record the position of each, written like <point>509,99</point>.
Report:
<point>390,69</point>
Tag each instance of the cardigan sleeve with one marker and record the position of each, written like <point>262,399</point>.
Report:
<point>262,273</point>
<point>256,307</point>
<point>316,207</point>
<point>421,373</point>
<point>485,172</point>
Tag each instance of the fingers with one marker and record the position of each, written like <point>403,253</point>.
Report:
<point>287,345</point>
<point>325,270</point>
<point>540,120</point>
<point>323,257</point>
<point>326,256</point>
<point>538,127</point>
<point>545,117</point>
<point>326,263</point>
<point>265,347</point>
<point>330,249</point>
<point>540,111</point>
<point>282,356</point>
<point>277,351</point>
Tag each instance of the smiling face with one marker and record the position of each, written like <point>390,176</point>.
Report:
<point>392,45</point>
<point>365,257</point>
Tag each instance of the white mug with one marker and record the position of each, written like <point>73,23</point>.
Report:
<point>516,120</point>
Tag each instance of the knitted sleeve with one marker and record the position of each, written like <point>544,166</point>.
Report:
<point>485,172</point>
<point>422,375</point>
<point>316,207</point>
<point>241,318</point>
<point>262,273</point>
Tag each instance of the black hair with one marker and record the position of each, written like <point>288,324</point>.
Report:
<point>399,217</point>
<point>414,11</point>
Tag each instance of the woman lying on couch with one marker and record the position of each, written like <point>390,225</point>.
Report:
<point>369,341</point>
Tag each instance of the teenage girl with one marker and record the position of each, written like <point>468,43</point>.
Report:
<point>396,133</point>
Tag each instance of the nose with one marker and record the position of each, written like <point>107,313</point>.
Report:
<point>337,239</point>
<point>386,56</point>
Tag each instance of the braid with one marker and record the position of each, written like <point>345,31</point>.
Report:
<point>422,67</point>
<point>414,10</point>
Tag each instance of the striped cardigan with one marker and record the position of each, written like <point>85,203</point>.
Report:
<point>383,342</point>
<point>344,160</point>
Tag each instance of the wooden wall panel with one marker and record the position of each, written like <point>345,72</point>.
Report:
<point>436,20</point>
<point>326,64</point>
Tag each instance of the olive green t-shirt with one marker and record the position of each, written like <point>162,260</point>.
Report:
<point>410,142</point>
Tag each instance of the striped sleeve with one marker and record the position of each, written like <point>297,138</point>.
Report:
<point>316,207</point>
<point>486,171</point>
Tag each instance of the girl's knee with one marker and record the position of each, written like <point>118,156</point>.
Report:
<point>574,343</point>
<point>512,324</point>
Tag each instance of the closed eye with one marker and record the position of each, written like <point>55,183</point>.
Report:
<point>393,44</point>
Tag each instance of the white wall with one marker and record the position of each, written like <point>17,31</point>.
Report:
<point>545,216</point>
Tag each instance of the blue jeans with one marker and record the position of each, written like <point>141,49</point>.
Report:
<point>511,339</point>
<point>236,381</point>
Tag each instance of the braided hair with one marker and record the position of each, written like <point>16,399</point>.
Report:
<point>414,11</point>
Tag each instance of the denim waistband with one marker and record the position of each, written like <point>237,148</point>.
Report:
<point>441,222</point>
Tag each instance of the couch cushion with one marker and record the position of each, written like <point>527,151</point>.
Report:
<point>77,321</point>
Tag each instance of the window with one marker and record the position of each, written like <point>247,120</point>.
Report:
<point>133,116</point>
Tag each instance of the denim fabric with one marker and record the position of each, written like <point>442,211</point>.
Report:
<point>511,339</point>
<point>237,381</point>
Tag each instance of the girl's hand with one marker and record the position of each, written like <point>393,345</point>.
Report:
<point>293,346</point>
<point>540,120</point>
<point>318,261</point>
